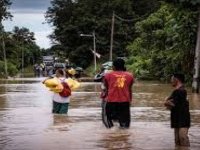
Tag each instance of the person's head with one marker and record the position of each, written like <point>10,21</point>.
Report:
<point>59,73</point>
<point>119,64</point>
<point>177,78</point>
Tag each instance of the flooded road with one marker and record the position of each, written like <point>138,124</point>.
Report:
<point>26,121</point>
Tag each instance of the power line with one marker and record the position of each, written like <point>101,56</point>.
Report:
<point>112,30</point>
<point>125,20</point>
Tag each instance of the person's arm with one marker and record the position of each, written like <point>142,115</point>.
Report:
<point>130,89</point>
<point>105,83</point>
<point>170,97</point>
<point>104,88</point>
<point>170,101</point>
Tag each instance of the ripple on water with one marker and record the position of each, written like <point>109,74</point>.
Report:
<point>26,122</point>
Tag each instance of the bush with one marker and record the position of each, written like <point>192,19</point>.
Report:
<point>12,69</point>
<point>165,44</point>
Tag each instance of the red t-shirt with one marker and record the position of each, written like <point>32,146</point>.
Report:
<point>119,83</point>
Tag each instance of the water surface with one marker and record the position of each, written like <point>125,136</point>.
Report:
<point>26,121</point>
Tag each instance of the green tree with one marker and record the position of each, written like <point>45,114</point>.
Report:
<point>25,43</point>
<point>165,43</point>
<point>193,5</point>
<point>16,42</point>
<point>19,43</point>
<point>4,14</point>
<point>23,35</point>
<point>71,18</point>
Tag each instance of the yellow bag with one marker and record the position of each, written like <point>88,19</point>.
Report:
<point>73,84</point>
<point>51,83</point>
<point>57,89</point>
<point>54,84</point>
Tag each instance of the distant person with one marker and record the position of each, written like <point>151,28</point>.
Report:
<point>117,95</point>
<point>99,77</point>
<point>42,69</point>
<point>35,69</point>
<point>179,106</point>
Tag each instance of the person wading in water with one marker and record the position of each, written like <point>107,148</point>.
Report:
<point>117,95</point>
<point>179,106</point>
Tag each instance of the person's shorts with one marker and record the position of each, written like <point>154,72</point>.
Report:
<point>116,111</point>
<point>60,108</point>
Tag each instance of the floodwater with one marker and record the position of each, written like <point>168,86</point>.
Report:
<point>26,121</point>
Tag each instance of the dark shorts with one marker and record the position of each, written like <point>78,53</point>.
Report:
<point>114,111</point>
<point>60,108</point>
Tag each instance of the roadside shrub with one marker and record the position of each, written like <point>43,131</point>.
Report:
<point>12,69</point>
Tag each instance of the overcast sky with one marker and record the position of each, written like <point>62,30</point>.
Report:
<point>30,14</point>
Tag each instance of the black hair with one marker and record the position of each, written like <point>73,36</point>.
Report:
<point>179,76</point>
<point>60,71</point>
<point>119,64</point>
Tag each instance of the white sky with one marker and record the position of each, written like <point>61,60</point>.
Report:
<point>30,14</point>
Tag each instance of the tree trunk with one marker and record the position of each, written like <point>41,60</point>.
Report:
<point>195,84</point>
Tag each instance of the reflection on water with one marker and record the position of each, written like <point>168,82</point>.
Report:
<point>26,121</point>
<point>116,139</point>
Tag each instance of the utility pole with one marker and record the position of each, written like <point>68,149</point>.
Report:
<point>195,84</point>
<point>4,54</point>
<point>112,30</point>
<point>22,62</point>
<point>95,58</point>
<point>94,47</point>
<point>112,33</point>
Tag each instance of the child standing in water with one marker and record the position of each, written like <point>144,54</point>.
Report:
<point>179,106</point>
<point>60,103</point>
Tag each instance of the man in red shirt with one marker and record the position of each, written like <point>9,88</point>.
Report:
<point>118,89</point>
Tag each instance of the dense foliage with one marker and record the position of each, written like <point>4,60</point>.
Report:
<point>20,47</point>
<point>159,40</point>
<point>165,43</point>
<point>4,5</point>
<point>12,70</point>
<point>157,37</point>
<point>71,18</point>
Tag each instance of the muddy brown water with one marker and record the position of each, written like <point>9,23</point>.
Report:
<point>26,121</point>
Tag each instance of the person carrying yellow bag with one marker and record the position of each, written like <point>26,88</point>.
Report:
<point>62,92</point>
